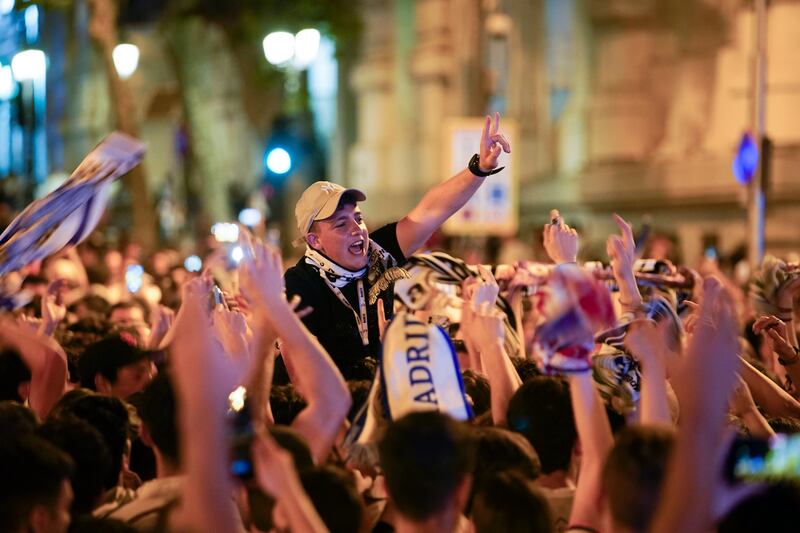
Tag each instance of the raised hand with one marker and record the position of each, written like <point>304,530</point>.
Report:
<point>646,340</point>
<point>231,329</point>
<point>53,308</point>
<point>277,476</point>
<point>492,143</point>
<point>160,323</point>
<point>560,241</point>
<point>485,326</point>
<point>621,249</point>
<point>712,351</point>
<point>775,331</point>
<point>30,324</point>
<point>203,368</point>
<point>486,290</point>
<point>274,467</point>
<point>261,277</point>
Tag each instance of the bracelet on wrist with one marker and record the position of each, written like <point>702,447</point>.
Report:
<point>475,167</point>
<point>793,360</point>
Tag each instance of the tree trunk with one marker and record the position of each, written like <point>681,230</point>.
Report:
<point>103,29</point>
<point>220,139</point>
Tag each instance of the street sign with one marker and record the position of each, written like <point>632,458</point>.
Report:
<point>745,162</point>
<point>494,209</point>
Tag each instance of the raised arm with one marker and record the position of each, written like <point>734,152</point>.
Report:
<point>443,200</point>
<point>621,250</point>
<point>774,400</point>
<point>777,333</point>
<point>317,377</point>
<point>692,483</point>
<point>277,476</point>
<point>594,432</point>
<point>483,327</point>
<point>645,340</point>
<point>46,361</point>
<point>743,406</point>
<point>204,377</point>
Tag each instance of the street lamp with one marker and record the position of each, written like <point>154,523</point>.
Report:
<point>297,51</point>
<point>126,59</point>
<point>29,68</point>
<point>278,48</point>
<point>6,7</point>
<point>8,90</point>
<point>29,65</point>
<point>306,48</point>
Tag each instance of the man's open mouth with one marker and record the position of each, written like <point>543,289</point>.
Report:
<point>357,247</point>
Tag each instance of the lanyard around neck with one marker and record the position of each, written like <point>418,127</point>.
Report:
<point>361,316</point>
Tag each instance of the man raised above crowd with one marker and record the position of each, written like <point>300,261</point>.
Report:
<point>346,270</point>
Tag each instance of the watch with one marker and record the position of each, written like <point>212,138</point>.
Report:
<point>475,168</point>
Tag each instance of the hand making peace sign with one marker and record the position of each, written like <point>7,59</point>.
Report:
<point>492,143</point>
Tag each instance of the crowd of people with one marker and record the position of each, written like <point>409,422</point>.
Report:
<point>380,386</point>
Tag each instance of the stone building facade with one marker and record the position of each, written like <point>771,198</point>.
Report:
<point>634,106</point>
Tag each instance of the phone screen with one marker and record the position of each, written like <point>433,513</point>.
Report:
<point>773,459</point>
<point>133,277</point>
<point>241,464</point>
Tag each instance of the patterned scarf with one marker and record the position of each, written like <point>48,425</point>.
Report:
<point>381,270</point>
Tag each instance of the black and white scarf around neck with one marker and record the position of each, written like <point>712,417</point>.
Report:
<point>381,270</point>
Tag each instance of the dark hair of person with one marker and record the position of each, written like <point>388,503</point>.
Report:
<point>772,509</point>
<point>507,502</point>
<point>133,303</point>
<point>425,456</point>
<point>16,419</point>
<point>158,411</point>
<point>286,403</point>
<point>99,273</point>
<point>293,442</point>
<point>109,416</point>
<point>526,368</point>
<point>617,421</point>
<point>479,390</point>
<point>784,424</point>
<point>64,404</point>
<point>95,304</point>
<point>501,450</point>
<point>32,472</point>
<point>333,492</point>
<point>634,472</point>
<point>541,411</point>
<point>359,369</point>
<point>93,524</point>
<point>359,392</point>
<point>13,373</point>
<point>34,279</point>
<point>89,453</point>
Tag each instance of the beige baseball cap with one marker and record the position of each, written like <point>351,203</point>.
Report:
<point>319,201</point>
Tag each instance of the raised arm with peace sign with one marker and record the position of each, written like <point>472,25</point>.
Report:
<point>442,201</point>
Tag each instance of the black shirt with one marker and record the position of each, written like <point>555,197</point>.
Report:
<point>332,322</point>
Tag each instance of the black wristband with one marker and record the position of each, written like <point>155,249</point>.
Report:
<point>475,168</point>
<point>789,362</point>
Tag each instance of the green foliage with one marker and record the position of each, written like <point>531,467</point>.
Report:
<point>45,4</point>
<point>249,20</point>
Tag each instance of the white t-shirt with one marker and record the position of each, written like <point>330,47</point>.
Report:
<point>560,501</point>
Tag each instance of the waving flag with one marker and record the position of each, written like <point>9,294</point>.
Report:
<point>68,215</point>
